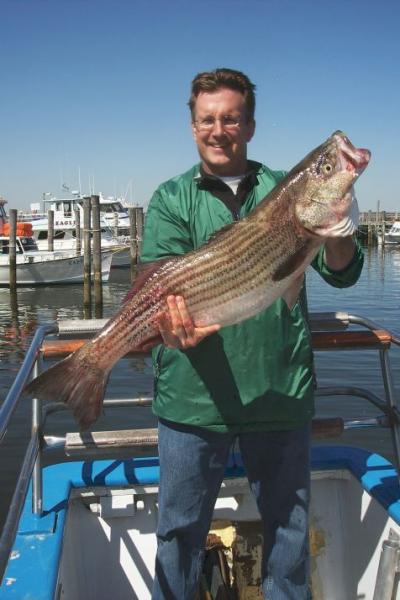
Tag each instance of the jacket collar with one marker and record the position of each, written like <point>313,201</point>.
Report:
<point>210,182</point>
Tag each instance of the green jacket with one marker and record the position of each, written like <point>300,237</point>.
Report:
<point>256,375</point>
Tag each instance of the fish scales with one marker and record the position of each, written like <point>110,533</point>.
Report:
<point>252,272</point>
<point>238,273</point>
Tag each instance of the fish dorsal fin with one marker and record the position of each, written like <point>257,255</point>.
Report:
<point>144,272</point>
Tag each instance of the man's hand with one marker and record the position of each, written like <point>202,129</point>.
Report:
<point>339,252</point>
<point>177,328</point>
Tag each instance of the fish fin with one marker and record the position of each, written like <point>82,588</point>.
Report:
<point>144,272</point>
<point>292,293</point>
<point>293,262</point>
<point>148,344</point>
<point>77,384</point>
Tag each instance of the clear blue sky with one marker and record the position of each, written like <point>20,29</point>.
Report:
<point>100,87</point>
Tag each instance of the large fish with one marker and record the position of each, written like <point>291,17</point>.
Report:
<point>240,271</point>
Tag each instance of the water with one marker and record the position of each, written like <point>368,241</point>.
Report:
<point>376,296</point>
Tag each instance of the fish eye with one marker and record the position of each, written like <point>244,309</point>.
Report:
<point>326,168</point>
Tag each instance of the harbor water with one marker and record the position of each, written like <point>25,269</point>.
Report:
<point>376,296</point>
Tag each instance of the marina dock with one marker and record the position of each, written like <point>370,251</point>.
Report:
<point>374,223</point>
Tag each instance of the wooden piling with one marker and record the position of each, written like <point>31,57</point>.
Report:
<point>115,224</point>
<point>50,230</point>
<point>370,228</point>
<point>133,238</point>
<point>12,249</point>
<point>98,290</point>
<point>78,231</point>
<point>87,298</point>
<point>139,230</point>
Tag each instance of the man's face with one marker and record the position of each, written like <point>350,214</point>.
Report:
<point>222,147</point>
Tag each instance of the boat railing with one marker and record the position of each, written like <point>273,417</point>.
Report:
<point>330,331</point>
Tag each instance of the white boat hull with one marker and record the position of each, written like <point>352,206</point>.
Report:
<point>52,269</point>
<point>121,251</point>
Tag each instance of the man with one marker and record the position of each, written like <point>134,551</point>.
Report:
<point>252,381</point>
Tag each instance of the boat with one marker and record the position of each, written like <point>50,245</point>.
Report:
<point>114,224</point>
<point>85,529</point>
<point>392,236</point>
<point>113,211</point>
<point>39,267</point>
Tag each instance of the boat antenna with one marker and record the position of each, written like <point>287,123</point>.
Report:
<point>79,181</point>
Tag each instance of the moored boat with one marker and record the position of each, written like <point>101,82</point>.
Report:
<point>35,267</point>
<point>114,224</point>
<point>392,236</point>
<point>113,212</point>
<point>86,529</point>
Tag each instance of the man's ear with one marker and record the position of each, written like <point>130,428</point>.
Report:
<point>251,127</point>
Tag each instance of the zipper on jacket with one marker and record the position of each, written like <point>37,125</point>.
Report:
<point>157,368</point>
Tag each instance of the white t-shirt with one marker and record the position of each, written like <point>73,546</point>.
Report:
<point>233,182</point>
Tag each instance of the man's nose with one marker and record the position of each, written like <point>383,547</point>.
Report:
<point>218,127</point>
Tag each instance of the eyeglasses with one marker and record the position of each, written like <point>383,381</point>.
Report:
<point>227,121</point>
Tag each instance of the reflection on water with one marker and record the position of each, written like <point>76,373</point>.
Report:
<point>376,296</point>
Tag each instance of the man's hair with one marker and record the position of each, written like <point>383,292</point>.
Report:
<point>211,81</point>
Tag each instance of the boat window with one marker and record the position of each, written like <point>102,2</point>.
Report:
<point>59,234</point>
<point>28,243</point>
<point>42,235</point>
<point>112,208</point>
<point>67,209</point>
<point>4,246</point>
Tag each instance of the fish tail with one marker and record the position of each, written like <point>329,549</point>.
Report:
<point>76,383</point>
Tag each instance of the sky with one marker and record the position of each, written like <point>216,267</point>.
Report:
<point>93,93</point>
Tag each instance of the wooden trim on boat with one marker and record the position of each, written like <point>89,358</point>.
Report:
<point>321,340</point>
<point>136,438</point>
<point>327,340</point>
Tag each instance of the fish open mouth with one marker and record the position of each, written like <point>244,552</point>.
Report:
<point>353,159</point>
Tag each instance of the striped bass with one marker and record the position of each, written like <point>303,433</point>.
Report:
<point>240,271</point>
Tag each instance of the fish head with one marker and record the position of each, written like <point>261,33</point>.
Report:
<point>327,176</point>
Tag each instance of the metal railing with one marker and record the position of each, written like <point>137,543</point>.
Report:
<point>329,333</point>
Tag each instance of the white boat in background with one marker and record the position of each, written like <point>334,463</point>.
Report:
<point>392,236</point>
<point>114,224</point>
<point>39,267</point>
<point>65,240</point>
<point>113,214</point>
<point>87,527</point>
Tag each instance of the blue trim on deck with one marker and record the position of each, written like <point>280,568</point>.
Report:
<point>32,573</point>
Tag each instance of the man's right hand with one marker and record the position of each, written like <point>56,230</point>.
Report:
<point>177,328</point>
